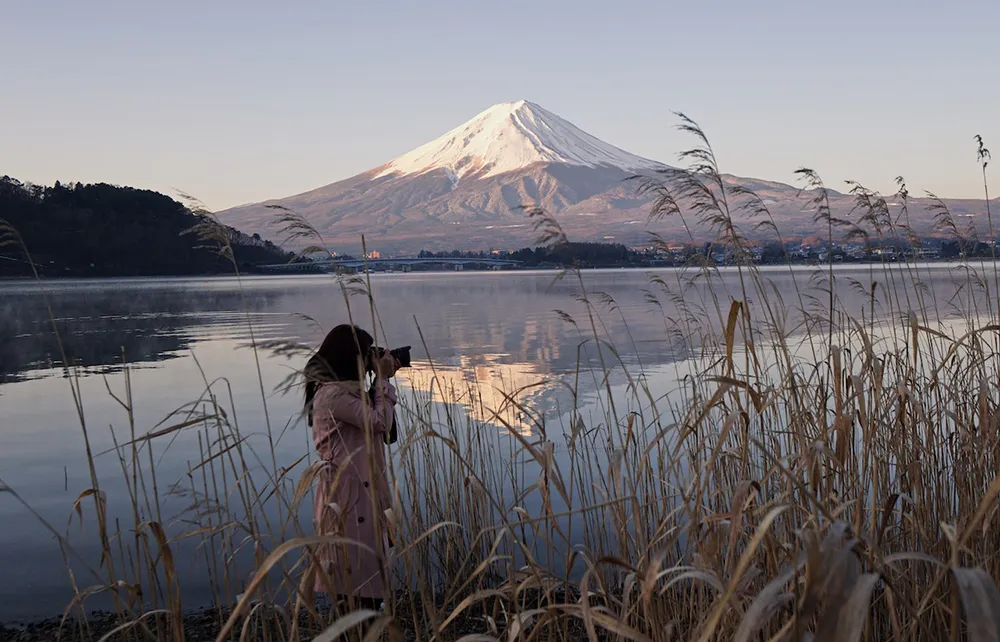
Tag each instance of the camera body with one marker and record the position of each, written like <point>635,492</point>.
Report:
<point>402,355</point>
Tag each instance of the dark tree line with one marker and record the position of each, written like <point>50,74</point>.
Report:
<point>586,255</point>
<point>106,230</point>
<point>963,247</point>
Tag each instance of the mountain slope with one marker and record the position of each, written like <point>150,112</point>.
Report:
<point>464,190</point>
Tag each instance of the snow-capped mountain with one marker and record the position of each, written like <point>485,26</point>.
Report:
<point>467,189</point>
<point>509,137</point>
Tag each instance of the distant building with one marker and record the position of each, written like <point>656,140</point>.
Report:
<point>374,254</point>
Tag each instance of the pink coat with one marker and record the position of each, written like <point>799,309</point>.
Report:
<point>353,491</point>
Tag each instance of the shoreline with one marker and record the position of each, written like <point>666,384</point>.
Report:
<point>764,267</point>
<point>204,624</point>
<point>198,625</point>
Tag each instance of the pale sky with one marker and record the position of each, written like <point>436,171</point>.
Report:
<point>236,102</point>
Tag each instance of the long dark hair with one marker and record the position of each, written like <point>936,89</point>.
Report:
<point>341,357</point>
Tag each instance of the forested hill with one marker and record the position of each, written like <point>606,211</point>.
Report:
<point>105,230</point>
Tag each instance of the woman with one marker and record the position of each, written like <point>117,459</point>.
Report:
<point>349,428</point>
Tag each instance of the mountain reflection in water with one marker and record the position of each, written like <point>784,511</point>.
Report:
<point>507,395</point>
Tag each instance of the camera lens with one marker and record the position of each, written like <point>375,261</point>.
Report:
<point>402,355</point>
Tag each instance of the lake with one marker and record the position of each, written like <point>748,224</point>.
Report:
<point>523,331</point>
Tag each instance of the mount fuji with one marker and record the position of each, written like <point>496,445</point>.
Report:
<point>465,190</point>
<point>509,137</point>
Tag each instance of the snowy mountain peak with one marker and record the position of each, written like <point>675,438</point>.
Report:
<point>508,137</point>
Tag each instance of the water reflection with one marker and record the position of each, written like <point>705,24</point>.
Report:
<point>100,328</point>
<point>527,320</point>
<point>489,391</point>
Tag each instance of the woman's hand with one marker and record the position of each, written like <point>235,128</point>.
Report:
<point>385,366</point>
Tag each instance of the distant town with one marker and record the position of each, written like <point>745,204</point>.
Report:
<point>662,254</point>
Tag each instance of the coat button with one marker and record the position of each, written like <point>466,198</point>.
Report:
<point>361,520</point>
<point>366,484</point>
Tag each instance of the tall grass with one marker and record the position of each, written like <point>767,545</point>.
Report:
<point>815,470</point>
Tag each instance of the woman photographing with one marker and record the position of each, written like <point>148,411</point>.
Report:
<point>350,427</point>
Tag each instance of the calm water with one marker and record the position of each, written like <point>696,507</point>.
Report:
<point>503,329</point>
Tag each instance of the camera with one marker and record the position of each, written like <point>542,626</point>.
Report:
<point>402,355</point>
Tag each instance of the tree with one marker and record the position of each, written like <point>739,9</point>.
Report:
<point>106,230</point>
<point>772,252</point>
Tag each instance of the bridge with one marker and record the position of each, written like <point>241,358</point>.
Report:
<point>406,263</point>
